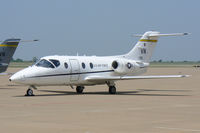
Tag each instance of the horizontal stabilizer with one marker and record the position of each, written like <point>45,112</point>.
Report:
<point>35,40</point>
<point>23,41</point>
<point>159,35</point>
<point>173,34</point>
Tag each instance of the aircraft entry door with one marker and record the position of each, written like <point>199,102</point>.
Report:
<point>75,69</point>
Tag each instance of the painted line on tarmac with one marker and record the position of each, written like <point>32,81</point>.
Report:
<point>180,129</point>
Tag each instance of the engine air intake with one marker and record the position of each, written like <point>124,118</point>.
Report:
<point>115,64</point>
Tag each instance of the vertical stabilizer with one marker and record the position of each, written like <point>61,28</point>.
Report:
<point>7,49</point>
<point>144,48</point>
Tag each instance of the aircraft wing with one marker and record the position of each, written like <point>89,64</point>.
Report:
<point>108,78</point>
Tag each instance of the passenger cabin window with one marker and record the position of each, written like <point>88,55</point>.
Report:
<point>91,65</point>
<point>66,65</point>
<point>44,63</point>
<point>83,65</point>
<point>55,62</point>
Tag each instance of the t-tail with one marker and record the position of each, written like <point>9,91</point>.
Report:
<point>144,48</point>
<point>7,49</point>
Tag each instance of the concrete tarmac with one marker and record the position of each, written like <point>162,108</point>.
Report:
<point>140,106</point>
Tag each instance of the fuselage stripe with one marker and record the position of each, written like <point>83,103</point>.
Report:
<point>6,45</point>
<point>147,40</point>
<point>71,74</point>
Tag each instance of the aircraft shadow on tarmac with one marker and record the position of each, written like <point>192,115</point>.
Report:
<point>138,92</point>
<point>6,88</point>
<point>15,85</point>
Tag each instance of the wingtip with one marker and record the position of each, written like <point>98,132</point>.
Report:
<point>186,33</point>
<point>185,76</point>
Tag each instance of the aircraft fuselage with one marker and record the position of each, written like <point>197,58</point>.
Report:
<point>72,70</point>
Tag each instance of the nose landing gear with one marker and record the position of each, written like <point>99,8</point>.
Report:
<point>29,92</point>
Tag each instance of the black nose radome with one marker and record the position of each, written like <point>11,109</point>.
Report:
<point>10,80</point>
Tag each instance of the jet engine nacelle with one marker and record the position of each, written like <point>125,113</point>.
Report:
<point>122,66</point>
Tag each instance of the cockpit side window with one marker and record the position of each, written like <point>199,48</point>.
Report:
<point>44,63</point>
<point>55,62</point>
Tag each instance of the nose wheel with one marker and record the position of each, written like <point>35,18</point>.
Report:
<point>79,89</point>
<point>29,92</point>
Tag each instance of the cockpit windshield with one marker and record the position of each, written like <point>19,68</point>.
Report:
<point>55,62</point>
<point>44,63</point>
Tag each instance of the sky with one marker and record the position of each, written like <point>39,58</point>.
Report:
<point>101,27</point>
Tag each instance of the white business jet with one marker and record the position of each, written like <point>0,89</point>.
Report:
<point>83,71</point>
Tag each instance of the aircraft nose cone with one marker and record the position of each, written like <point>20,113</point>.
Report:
<point>12,78</point>
<point>20,76</point>
<point>15,78</point>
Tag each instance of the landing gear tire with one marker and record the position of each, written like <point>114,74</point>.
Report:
<point>112,89</point>
<point>29,92</point>
<point>79,89</point>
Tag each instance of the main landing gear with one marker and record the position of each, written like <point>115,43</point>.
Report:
<point>112,88</point>
<point>79,89</point>
<point>29,92</point>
